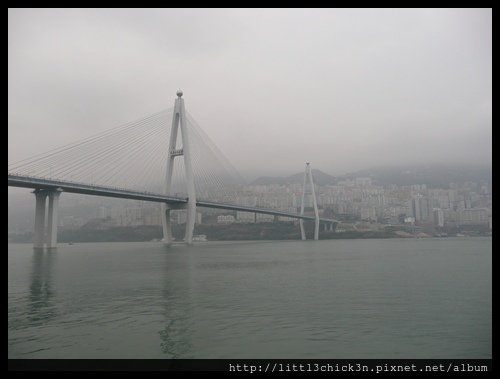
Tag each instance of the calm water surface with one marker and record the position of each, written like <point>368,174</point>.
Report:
<point>394,298</point>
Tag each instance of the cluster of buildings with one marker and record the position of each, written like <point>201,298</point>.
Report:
<point>356,201</point>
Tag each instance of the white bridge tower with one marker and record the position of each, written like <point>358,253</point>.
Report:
<point>315,204</point>
<point>179,120</point>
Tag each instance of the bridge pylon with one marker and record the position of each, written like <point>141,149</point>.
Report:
<point>179,121</point>
<point>46,235</point>
<point>307,173</point>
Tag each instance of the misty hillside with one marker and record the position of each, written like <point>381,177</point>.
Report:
<point>320,178</point>
<point>433,176</point>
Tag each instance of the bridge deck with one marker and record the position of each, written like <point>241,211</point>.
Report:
<point>86,189</point>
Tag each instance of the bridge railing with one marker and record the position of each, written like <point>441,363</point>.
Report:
<point>80,183</point>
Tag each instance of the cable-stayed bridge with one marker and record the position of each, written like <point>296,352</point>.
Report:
<point>141,161</point>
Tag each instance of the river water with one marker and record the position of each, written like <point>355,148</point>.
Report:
<point>332,299</point>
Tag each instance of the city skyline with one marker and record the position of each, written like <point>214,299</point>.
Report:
<point>355,199</point>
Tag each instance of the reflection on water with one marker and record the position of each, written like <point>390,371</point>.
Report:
<point>40,301</point>
<point>176,291</point>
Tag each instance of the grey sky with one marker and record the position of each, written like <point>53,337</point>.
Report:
<point>345,89</point>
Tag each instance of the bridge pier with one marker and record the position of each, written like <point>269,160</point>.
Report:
<point>166,224</point>
<point>40,198</point>
<point>302,231</point>
<point>52,219</point>
<point>46,236</point>
<point>190,220</point>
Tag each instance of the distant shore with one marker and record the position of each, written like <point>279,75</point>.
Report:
<point>233,232</point>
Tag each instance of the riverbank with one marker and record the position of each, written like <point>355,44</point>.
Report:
<point>230,232</point>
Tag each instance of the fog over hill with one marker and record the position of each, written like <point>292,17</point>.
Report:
<point>319,176</point>
<point>435,176</point>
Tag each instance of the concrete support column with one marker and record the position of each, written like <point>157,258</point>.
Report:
<point>52,219</point>
<point>190,219</point>
<point>166,223</point>
<point>316,230</point>
<point>302,231</point>
<point>39,240</point>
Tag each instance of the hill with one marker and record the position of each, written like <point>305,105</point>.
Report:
<point>319,177</point>
<point>435,176</point>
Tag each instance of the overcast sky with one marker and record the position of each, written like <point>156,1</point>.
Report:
<point>345,89</point>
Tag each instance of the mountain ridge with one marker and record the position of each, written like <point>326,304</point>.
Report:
<point>436,176</point>
<point>319,177</point>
